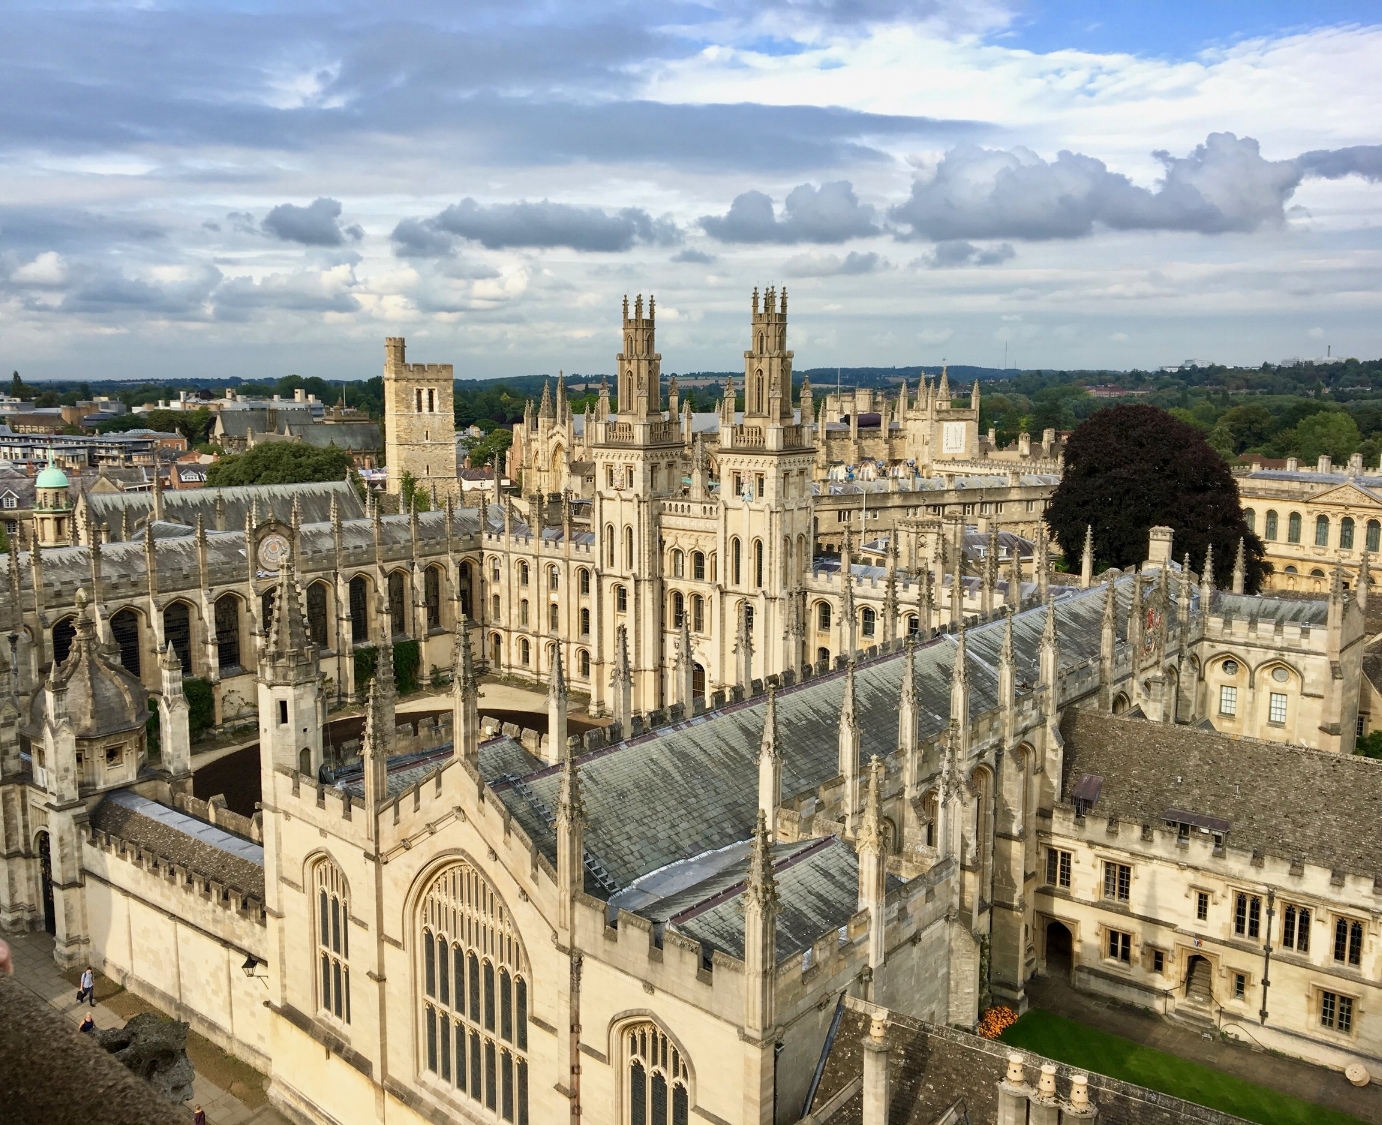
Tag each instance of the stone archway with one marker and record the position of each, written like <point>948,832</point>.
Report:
<point>1060,951</point>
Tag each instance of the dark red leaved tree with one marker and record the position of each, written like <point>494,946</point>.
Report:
<point>1130,468</point>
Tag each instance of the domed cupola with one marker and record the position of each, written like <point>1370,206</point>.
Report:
<point>94,704</point>
<point>52,506</point>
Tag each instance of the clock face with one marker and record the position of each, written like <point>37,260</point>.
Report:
<point>273,552</point>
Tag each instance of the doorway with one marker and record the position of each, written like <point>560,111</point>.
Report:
<point>45,866</point>
<point>1060,950</point>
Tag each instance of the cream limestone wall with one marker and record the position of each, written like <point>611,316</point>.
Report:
<point>1161,915</point>
<point>170,943</point>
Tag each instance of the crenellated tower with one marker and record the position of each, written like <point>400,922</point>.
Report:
<point>419,422</point>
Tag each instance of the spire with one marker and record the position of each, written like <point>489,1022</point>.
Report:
<point>760,935</point>
<point>959,681</point>
<point>907,703</point>
<point>1087,558</point>
<point>943,393</point>
<point>1207,578</point>
<point>1364,581</point>
<point>1007,677</point>
<point>1240,568</point>
<point>545,410</point>
<point>621,681</point>
<point>974,396</point>
<point>849,748</point>
<point>378,740</point>
<point>570,832</point>
<point>873,870</point>
<point>465,698</point>
<point>1050,654</point>
<point>769,766</point>
<point>1041,564</point>
<point>175,737</point>
<point>556,707</point>
<point>289,653</point>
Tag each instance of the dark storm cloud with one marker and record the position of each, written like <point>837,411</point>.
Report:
<point>542,224</point>
<point>239,297</point>
<point>99,293</point>
<point>1335,164</point>
<point>830,213</point>
<point>1223,185</point>
<point>317,224</point>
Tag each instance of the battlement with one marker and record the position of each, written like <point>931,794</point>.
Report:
<point>774,307</point>
<point>638,320</point>
<point>395,365</point>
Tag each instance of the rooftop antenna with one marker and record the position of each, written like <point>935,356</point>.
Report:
<point>1005,355</point>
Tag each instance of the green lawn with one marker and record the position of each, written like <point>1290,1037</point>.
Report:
<point>1056,1037</point>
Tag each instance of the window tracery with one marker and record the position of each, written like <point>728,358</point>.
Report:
<point>657,1079</point>
<point>333,941</point>
<point>474,995</point>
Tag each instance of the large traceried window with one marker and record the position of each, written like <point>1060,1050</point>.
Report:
<point>333,941</point>
<point>658,1081</point>
<point>474,994</point>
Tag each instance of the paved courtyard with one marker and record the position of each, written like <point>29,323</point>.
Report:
<point>34,968</point>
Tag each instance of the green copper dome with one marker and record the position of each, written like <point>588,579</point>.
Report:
<point>51,477</point>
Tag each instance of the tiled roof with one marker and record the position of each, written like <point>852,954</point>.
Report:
<point>314,503</point>
<point>1318,799</point>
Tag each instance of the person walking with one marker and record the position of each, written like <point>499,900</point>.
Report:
<point>88,1024</point>
<point>88,988</point>
<point>199,1116</point>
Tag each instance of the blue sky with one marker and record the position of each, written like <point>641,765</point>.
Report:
<point>267,188</point>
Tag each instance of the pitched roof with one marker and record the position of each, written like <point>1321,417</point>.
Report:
<point>314,502</point>
<point>1319,799</point>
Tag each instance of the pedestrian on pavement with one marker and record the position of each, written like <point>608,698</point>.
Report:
<point>6,962</point>
<point>199,1116</point>
<point>88,988</point>
<point>88,1024</point>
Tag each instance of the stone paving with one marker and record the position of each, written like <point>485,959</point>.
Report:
<point>34,967</point>
<point>1304,1080</point>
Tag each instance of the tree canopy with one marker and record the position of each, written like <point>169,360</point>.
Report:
<point>1131,468</point>
<point>280,462</point>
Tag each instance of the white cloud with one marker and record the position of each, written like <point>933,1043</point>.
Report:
<point>48,269</point>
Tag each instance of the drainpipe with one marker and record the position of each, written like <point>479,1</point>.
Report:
<point>1267,955</point>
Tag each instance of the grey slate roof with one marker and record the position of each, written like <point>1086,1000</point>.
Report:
<point>1281,611</point>
<point>499,757</point>
<point>202,848</point>
<point>1322,808</point>
<point>364,436</point>
<point>314,502</point>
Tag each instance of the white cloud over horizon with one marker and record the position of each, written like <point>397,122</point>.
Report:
<point>285,193</point>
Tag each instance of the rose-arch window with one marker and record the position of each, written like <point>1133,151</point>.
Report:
<point>657,1078</point>
<point>333,940</point>
<point>474,993</point>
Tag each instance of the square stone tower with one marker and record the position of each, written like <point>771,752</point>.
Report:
<point>419,422</point>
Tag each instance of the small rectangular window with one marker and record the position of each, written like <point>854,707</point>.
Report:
<point>1348,941</point>
<point>1228,700</point>
<point>1336,1012</point>
<point>1057,867</point>
<point>1120,946</point>
<point>283,712</point>
<point>1276,710</point>
<point>1240,986</point>
<point>1158,961</point>
<point>1117,881</point>
<point>1295,928</point>
<point>1247,915</point>
<point>1202,905</point>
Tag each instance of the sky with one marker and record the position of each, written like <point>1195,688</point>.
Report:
<point>263,188</point>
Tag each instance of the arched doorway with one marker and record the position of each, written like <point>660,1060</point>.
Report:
<point>698,681</point>
<point>1060,950</point>
<point>45,865</point>
<point>1199,979</point>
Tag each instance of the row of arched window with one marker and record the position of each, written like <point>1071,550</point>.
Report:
<point>1347,533</point>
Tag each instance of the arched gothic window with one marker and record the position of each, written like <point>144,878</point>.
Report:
<point>1374,535</point>
<point>628,548</point>
<point>823,617</point>
<point>678,609</point>
<point>333,941</point>
<point>1293,528</point>
<point>1250,518</point>
<point>584,577</point>
<point>474,995</point>
<point>736,559</point>
<point>678,564</point>
<point>758,563</point>
<point>697,613</point>
<point>317,618</point>
<point>870,621</point>
<point>359,609</point>
<point>1321,531</point>
<point>1269,530</point>
<point>609,545</point>
<point>1345,533</point>
<point>657,1079</point>
<point>583,662</point>
<point>698,565</point>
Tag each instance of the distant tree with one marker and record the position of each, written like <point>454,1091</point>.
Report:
<point>4,541</point>
<point>280,462</point>
<point>16,385</point>
<point>1332,432</point>
<point>1241,428</point>
<point>1131,468</point>
<point>490,449</point>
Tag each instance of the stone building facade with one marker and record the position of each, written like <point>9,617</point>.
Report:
<point>1311,519</point>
